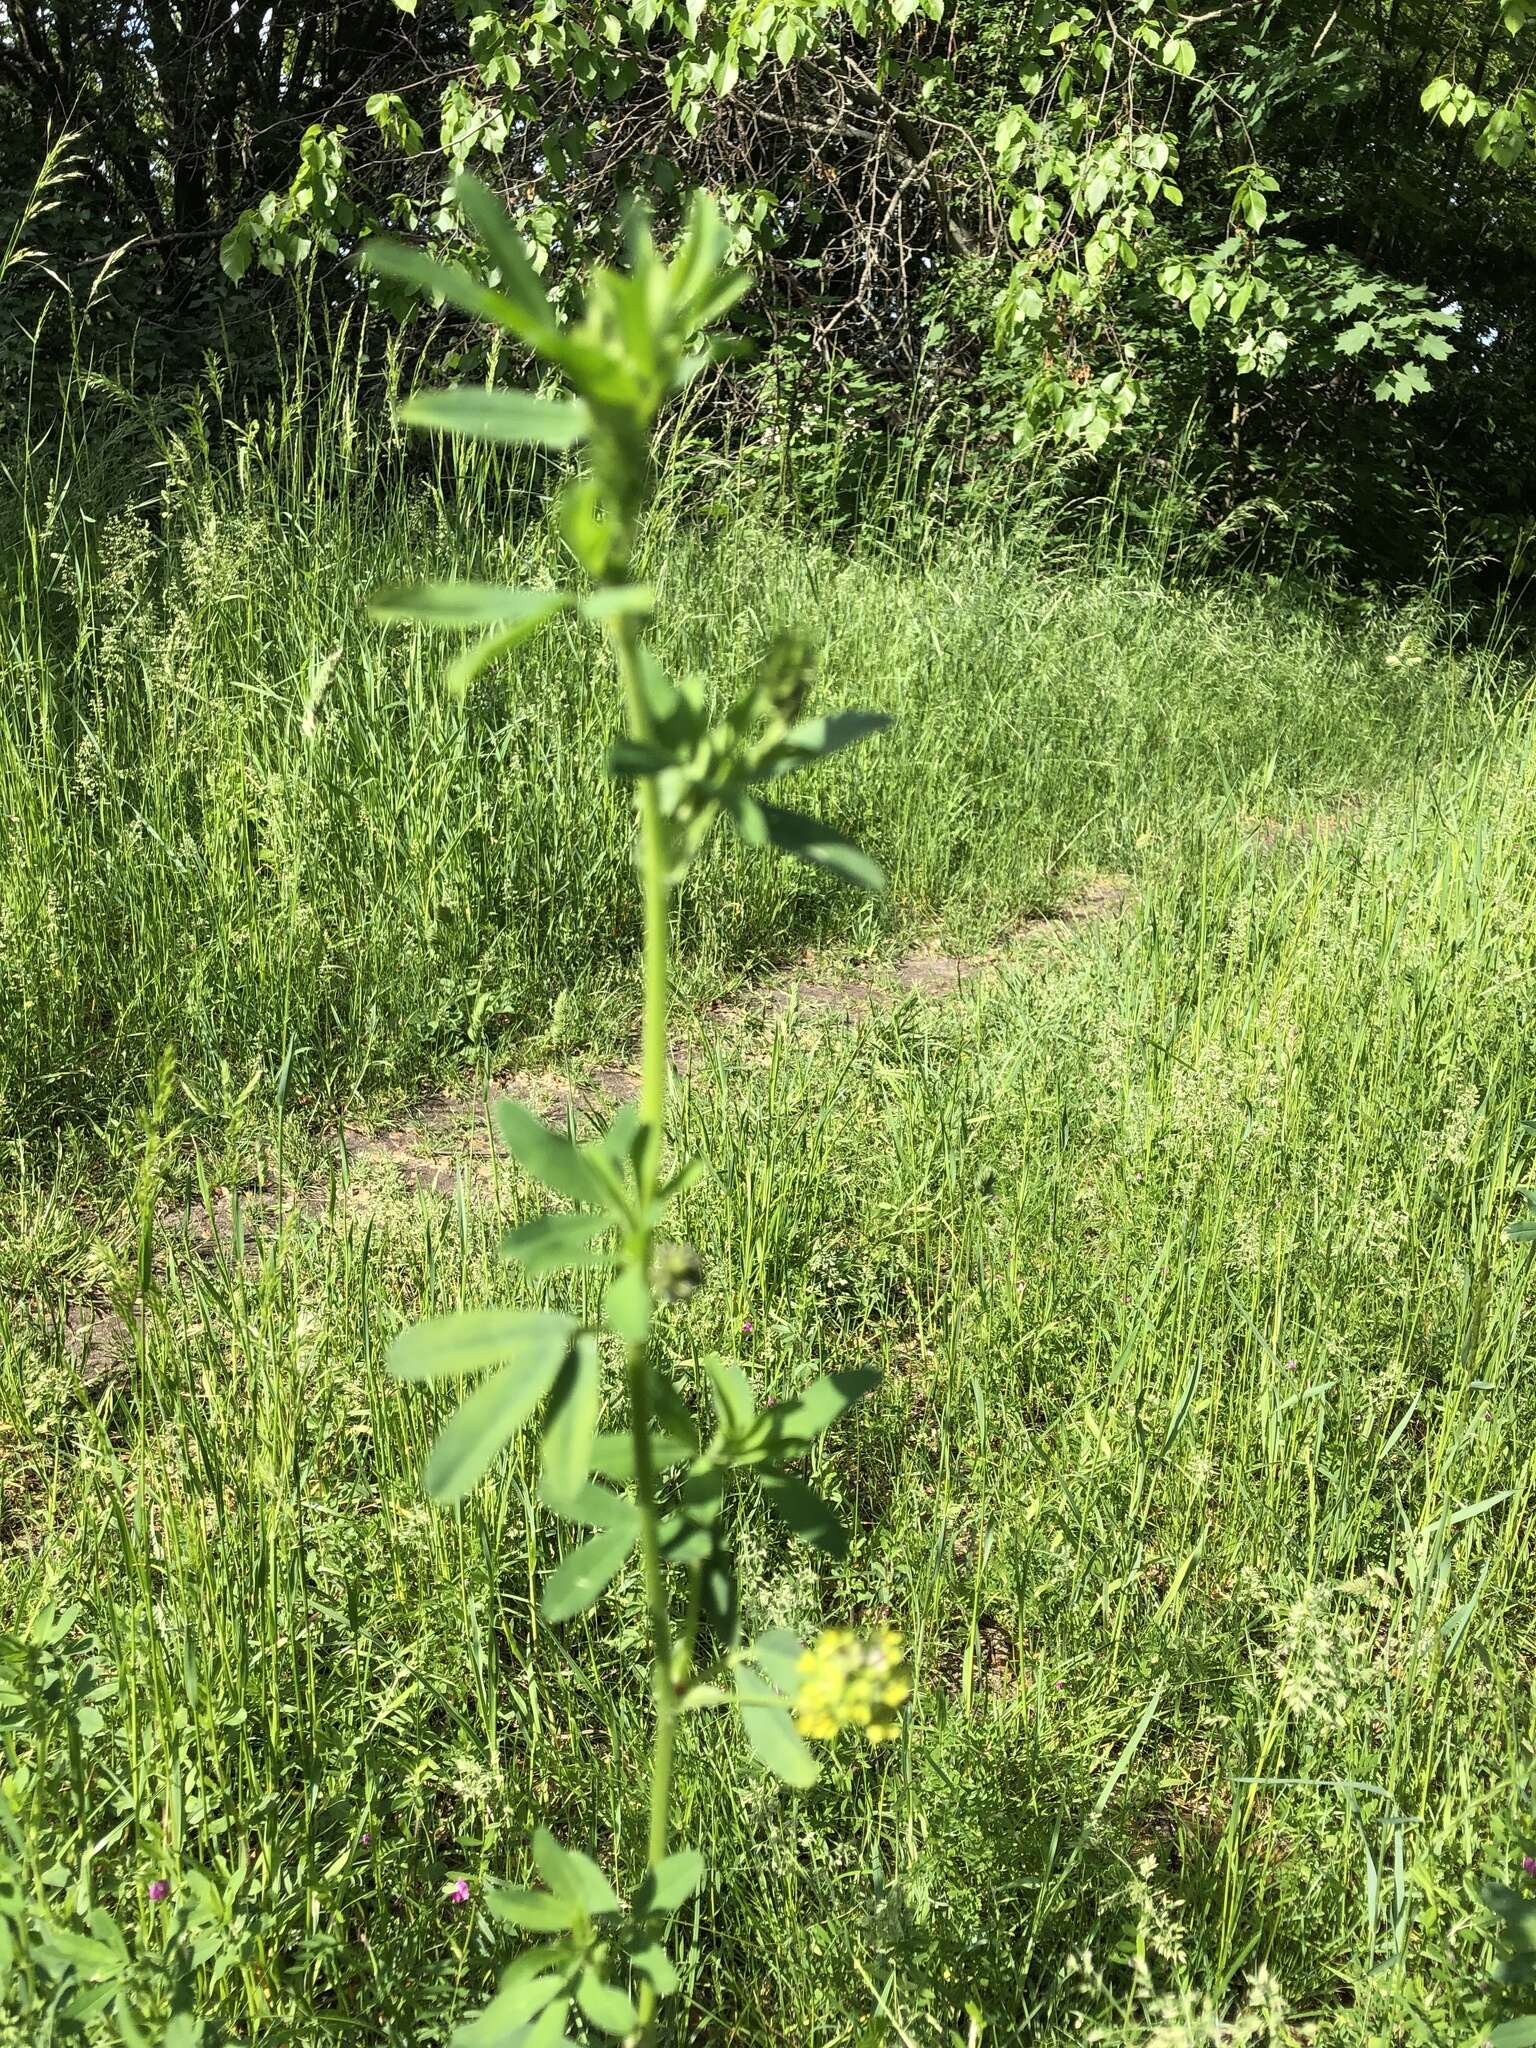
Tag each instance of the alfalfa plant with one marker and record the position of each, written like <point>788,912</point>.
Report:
<point>659,1484</point>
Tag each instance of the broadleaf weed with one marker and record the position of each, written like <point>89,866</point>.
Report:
<point>661,1486</point>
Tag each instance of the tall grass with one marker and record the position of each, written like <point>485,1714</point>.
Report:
<point>1200,1478</point>
<point>1200,1473</point>
<point>244,824</point>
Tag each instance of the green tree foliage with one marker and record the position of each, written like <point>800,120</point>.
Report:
<point>1274,258</point>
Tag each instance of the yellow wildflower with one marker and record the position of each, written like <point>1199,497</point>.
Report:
<point>845,1683</point>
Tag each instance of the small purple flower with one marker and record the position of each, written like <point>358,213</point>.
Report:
<point>365,1838</point>
<point>1528,1865</point>
<point>158,1889</point>
<point>746,1326</point>
<point>460,1892</point>
<point>1290,1365</point>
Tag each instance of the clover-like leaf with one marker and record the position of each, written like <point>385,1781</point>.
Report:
<point>772,1734</point>
<point>469,1340</point>
<point>804,1513</point>
<point>582,1575</point>
<point>571,1420</point>
<point>573,1875</point>
<point>562,1239</point>
<point>670,1883</point>
<point>516,418</point>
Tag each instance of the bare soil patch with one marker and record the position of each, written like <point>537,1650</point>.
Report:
<point>447,1136</point>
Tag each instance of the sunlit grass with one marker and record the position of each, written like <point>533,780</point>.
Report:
<point>1199,1477</point>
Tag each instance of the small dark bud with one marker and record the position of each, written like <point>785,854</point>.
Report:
<point>677,1272</point>
<point>785,673</point>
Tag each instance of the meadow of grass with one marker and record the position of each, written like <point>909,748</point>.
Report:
<point>1199,1475</point>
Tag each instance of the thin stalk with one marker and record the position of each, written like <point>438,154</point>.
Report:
<point>653,1106</point>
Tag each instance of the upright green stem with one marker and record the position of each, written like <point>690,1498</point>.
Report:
<point>653,1107</point>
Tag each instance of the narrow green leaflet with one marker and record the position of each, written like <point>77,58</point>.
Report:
<point>482,1425</point>
<point>523,1906</point>
<point>516,418</point>
<point>653,1963</point>
<point>500,2024</point>
<point>1517,1915</point>
<point>468,605</point>
<point>772,1735</point>
<point>720,1593</point>
<point>627,1305</point>
<point>808,839</point>
<point>701,251</point>
<point>618,1138</point>
<point>684,1541</point>
<point>1517,2033</point>
<point>549,1244</point>
<point>804,1513</point>
<point>573,1875</point>
<point>571,1422</point>
<point>609,2009</point>
<point>825,1401</point>
<point>520,281</point>
<point>815,738</point>
<point>613,1454</point>
<point>732,1392</point>
<point>581,527</point>
<point>777,1653</point>
<point>469,1340</point>
<point>450,281</point>
<point>619,600</point>
<point>719,297</point>
<point>552,1160</point>
<point>670,1883</point>
<point>581,1575</point>
<point>656,686</point>
<point>595,1507</point>
<point>468,667</point>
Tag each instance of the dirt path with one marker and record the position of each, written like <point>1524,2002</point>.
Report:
<point>446,1135</point>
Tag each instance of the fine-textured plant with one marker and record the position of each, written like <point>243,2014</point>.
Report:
<point>660,1484</point>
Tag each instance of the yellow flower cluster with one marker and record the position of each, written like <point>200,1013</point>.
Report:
<point>845,1683</point>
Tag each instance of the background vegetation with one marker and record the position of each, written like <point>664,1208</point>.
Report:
<point>1271,263</point>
